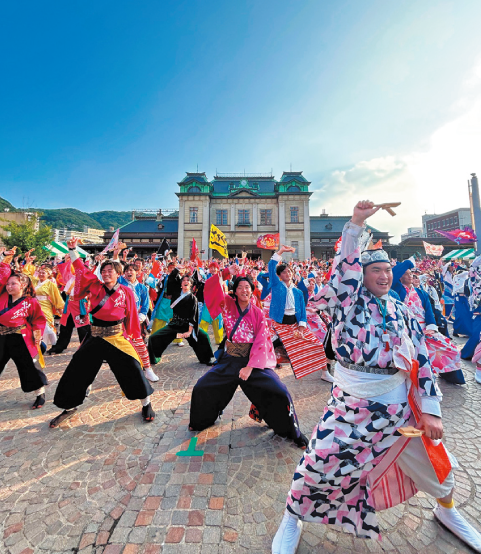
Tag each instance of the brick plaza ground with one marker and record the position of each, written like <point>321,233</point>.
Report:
<point>108,483</point>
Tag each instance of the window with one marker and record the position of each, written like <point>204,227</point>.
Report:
<point>221,217</point>
<point>193,215</point>
<point>194,189</point>
<point>266,217</point>
<point>294,214</point>
<point>243,217</point>
<point>295,245</point>
<point>294,188</point>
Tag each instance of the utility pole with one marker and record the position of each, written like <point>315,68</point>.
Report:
<point>476,211</point>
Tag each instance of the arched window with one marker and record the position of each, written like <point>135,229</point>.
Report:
<point>194,189</point>
<point>294,188</point>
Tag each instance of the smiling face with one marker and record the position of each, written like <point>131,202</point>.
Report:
<point>14,286</point>
<point>130,274</point>
<point>416,281</point>
<point>44,274</point>
<point>378,278</point>
<point>185,284</point>
<point>243,292</point>
<point>109,275</point>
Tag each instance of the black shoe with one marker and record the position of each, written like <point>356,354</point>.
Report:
<point>62,417</point>
<point>39,402</point>
<point>302,441</point>
<point>148,413</point>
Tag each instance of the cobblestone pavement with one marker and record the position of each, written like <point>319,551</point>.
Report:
<point>107,483</point>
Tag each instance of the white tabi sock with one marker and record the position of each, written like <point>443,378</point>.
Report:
<point>145,401</point>
<point>40,391</point>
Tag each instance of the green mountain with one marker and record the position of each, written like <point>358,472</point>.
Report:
<point>74,219</point>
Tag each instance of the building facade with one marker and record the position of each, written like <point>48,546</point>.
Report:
<point>19,217</point>
<point>244,207</point>
<point>448,221</point>
<point>88,235</point>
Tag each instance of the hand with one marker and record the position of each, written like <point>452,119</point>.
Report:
<point>72,243</point>
<point>285,248</point>
<point>245,372</point>
<point>362,210</point>
<point>429,332</point>
<point>299,333</point>
<point>432,425</point>
<point>10,252</point>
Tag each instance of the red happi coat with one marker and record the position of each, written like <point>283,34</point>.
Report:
<point>28,313</point>
<point>121,305</point>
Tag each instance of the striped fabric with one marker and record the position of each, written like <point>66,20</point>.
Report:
<point>306,355</point>
<point>141,350</point>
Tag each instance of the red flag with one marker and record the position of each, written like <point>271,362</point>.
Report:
<point>378,245</point>
<point>433,249</point>
<point>213,295</point>
<point>268,242</point>
<point>195,251</point>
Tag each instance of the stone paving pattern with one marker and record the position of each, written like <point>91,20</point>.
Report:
<point>108,483</point>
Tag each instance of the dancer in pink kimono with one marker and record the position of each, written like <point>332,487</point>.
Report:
<point>357,462</point>
<point>248,361</point>
<point>22,324</point>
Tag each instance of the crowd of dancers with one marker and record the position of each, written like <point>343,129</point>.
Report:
<point>375,330</point>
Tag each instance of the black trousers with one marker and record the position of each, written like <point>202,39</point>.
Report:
<point>65,334</point>
<point>214,390</point>
<point>161,339</point>
<point>84,366</point>
<point>13,347</point>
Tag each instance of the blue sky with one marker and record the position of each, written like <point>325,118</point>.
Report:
<point>106,104</point>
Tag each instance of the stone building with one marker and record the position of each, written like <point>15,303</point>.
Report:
<point>244,207</point>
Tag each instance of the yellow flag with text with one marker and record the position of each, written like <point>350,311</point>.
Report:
<point>217,241</point>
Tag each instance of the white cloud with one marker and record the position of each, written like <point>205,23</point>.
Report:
<point>434,179</point>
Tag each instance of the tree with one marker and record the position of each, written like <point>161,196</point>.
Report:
<point>24,236</point>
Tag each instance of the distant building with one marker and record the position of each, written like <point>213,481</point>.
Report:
<point>244,206</point>
<point>19,217</point>
<point>448,221</point>
<point>88,235</point>
<point>327,229</point>
<point>412,232</point>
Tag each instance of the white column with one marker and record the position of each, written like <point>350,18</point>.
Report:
<point>254,217</point>
<point>232,217</point>
<point>307,230</point>
<point>205,230</point>
<point>180,231</point>
<point>282,222</point>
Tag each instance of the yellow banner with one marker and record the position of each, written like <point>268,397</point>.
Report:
<point>217,241</point>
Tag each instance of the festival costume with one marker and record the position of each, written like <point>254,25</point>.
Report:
<point>51,302</point>
<point>472,348</point>
<point>354,461</point>
<point>288,311</point>
<point>217,324</point>
<point>448,295</point>
<point>18,321</point>
<point>185,314</point>
<point>115,330</point>
<point>248,344</point>
<point>462,312</point>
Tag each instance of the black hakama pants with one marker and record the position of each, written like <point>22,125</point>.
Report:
<point>13,347</point>
<point>86,363</point>
<point>214,390</point>
<point>161,339</point>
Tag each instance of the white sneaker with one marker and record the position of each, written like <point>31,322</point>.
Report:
<point>326,376</point>
<point>288,535</point>
<point>150,375</point>
<point>455,522</point>
<point>477,376</point>
<point>181,343</point>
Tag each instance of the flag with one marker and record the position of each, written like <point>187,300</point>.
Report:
<point>217,241</point>
<point>337,246</point>
<point>459,236</point>
<point>213,295</point>
<point>113,242</point>
<point>195,251</point>
<point>268,242</point>
<point>163,250</point>
<point>433,249</point>
<point>378,245</point>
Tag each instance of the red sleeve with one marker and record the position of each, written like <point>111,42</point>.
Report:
<point>85,280</point>
<point>5,273</point>
<point>36,318</point>
<point>131,322</point>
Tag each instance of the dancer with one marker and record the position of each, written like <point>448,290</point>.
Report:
<point>247,361</point>
<point>288,312</point>
<point>115,327</point>
<point>205,317</point>
<point>184,324</point>
<point>50,301</point>
<point>357,462</point>
<point>22,324</point>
